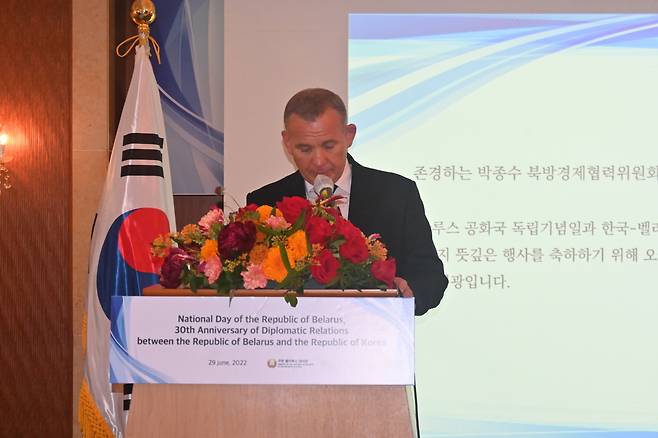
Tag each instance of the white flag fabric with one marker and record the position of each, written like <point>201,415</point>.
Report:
<point>136,206</point>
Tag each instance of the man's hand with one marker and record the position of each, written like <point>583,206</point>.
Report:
<point>404,288</point>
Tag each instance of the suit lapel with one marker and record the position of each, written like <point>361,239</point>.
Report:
<point>358,214</point>
<point>297,187</point>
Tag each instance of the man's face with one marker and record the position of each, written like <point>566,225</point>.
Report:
<point>320,146</point>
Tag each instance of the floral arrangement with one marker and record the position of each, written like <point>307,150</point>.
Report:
<point>285,247</point>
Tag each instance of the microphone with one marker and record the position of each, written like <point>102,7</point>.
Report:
<point>323,186</point>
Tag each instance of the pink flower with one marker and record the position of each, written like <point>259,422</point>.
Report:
<point>277,223</point>
<point>254,277</point>
<point>214,216</point>
<point>212,268</point>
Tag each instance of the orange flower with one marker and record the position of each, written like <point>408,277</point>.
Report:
<point>377,250</point>
<point>265,211</point>
<point>258,254</point>
<point>209,250</point>
<point>161,245</point>
<point>316,248</point>
<point>296,246</point>
<point>273,266</point>
<point>189,233</point>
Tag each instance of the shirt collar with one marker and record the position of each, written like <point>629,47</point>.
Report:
<point>344,183</point>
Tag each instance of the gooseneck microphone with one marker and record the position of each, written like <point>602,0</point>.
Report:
<point>323,186</point>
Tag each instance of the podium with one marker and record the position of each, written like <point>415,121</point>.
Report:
<point>271,410</point>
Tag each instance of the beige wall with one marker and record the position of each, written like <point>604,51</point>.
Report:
<point>91,139</point>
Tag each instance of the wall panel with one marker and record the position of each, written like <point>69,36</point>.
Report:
<point>35,220</point>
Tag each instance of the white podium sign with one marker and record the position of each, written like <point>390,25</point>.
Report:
<point>262,340</point>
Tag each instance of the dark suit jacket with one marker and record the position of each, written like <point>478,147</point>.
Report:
<point>388,204</point>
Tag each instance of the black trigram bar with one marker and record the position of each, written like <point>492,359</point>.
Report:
<point>127,395</point>
<point>141,154</point>
<point>142,138</point>
<point>139,170</point>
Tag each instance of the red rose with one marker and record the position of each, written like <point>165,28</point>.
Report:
<point>326,267</point>
<point>347,229</point>
<point>354,249</point>
<point>236,238</point>
<point>247,212</point>
<point>292,207</point>
<point>384,270</point>
<point>318,230</point>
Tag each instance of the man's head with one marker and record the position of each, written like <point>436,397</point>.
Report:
<point>316,133</point>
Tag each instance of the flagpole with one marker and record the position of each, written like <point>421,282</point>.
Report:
<point>136,206</point>
<point>142,13</point>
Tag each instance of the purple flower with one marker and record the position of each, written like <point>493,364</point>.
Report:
<point>236,238</point>
<point>172,267</point>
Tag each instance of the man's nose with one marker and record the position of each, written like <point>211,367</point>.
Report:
<point>319,157</point>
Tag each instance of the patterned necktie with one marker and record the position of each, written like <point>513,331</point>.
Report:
<point>335,204</point>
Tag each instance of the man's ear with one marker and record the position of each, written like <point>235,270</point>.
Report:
<point>350,133</point>
<point>285,139</point>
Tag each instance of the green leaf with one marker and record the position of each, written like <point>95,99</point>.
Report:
<point>291,298</point>
<point>223,284</point>
<point>300,221</point>
<point>284,257</point>
<point>215,229</point>
<point>194,283</point>
<point>336,244</point>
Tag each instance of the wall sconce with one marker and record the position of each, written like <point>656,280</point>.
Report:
<point>5,182</point>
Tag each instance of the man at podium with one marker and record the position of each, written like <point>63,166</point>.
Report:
<point>316,135</point>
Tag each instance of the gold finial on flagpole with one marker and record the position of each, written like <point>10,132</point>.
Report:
<point>142,12</point>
